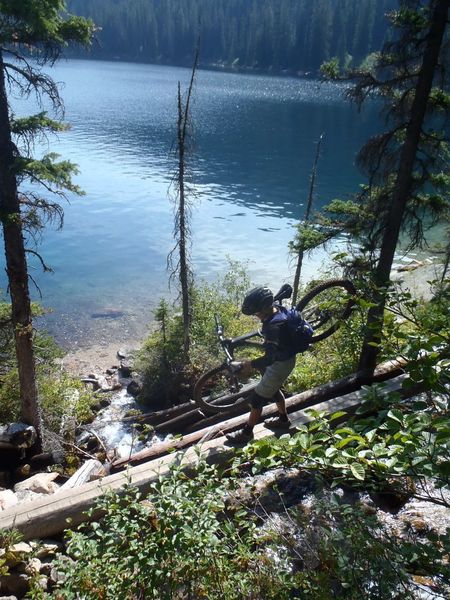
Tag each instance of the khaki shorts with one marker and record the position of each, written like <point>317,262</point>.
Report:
<point>274,377</point>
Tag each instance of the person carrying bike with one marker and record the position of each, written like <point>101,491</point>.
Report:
<point>276,364</point>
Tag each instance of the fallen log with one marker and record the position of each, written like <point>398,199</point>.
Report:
<point>321,393</point>
<point>155,418</point>
<point>195,415</point>
<point>46,517</point>
<point>90,470</point>
<point>303,400</point>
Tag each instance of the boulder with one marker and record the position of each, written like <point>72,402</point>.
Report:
<point>49,549</point>
<point>41,483</point>
<point>15,584</point>
<point>134,388</point>
<point>19,435</point>
<point>7,498</point>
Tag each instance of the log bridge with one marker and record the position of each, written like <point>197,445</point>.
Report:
<point>49,516</point>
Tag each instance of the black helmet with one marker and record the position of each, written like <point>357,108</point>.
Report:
<point>257,300</point>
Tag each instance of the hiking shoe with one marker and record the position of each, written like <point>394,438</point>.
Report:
<point>240,437</point>
<point>277,423</point>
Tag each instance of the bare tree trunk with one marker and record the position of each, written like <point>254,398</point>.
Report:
<point>17,270</point>
<point>298,269</point>
<point>184,267</point>
<point>370,349</point>
<point>183,229</point>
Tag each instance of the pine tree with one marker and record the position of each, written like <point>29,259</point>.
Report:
<point>41,29</point>
<point>406,165</point>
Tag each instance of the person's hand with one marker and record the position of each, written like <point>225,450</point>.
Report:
<point>246,369</point>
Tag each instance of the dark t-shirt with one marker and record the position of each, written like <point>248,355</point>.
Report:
<point>277,342</point>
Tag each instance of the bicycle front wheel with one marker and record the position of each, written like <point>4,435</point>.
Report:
<point>219,390</point>
<point>327,305</point>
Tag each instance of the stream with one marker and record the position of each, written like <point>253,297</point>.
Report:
<point>122,437</point>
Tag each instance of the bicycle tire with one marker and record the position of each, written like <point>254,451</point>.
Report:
<point>224,401</point>
<point>324,319</point>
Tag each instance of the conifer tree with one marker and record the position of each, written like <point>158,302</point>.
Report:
<point>32,34</point>
<point>407,164</point>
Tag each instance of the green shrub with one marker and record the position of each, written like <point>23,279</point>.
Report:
<point>61,396</point>
<point>161,360</point>
<point>177,544</point>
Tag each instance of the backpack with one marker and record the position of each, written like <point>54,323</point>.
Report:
<point>300,331</point>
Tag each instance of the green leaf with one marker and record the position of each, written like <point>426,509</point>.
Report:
<point>358,471</point>
<point>395,415</point>
<point>337,415</point>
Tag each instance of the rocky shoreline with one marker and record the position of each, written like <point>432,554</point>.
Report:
<point>409,274</point>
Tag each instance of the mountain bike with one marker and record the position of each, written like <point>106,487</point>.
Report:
<point>325,307</point>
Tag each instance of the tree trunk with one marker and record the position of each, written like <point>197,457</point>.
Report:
<point>402,190</point>
<point>301,251</point>
<point>184,267</point>
<point>16,267</point>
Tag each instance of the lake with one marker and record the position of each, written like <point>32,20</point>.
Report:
<point>255,140</point>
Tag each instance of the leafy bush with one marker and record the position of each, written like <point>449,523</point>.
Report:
<point>166,374</point>
<point>176,544</point>
<point>61,396</point>
<point>344,552</point>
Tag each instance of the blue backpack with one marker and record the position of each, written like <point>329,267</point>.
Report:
<point>300,330</point>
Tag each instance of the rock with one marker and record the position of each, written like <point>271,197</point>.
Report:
<point>49,549</point>
<point>22,472</point>
<point>46,568</point>
<point>34,566</point>
<point>102,383</point>
<point>28,495</point>
<point>125,371</point>
<point>42,583</point>
<point>42,461</point>
<point>41,483</point>
<point>7,498</point>
<point>115,383</point>
<point>56,576</point>
<point>5,479</point>
<point>134,388</point>
<point>21,548</point>
<point>125,352</point>
<point>8,598</point>
<point>14,584</point>
<point>19,435</point>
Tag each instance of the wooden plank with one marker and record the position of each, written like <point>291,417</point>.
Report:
<point>48,516</point>
<point>91,469</point>
<point>232,421</point>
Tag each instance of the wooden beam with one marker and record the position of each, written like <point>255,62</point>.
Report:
<point>216,425</point>
<point>49,516</point>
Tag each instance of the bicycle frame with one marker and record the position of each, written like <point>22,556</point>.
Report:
<point>229,344</point>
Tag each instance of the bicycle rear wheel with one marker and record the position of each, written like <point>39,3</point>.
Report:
<point>327,305</point>
<point>219,390</point>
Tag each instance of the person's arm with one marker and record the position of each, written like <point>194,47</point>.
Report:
<point>271,343</point>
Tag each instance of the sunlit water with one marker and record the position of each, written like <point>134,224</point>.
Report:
<point>255,140</point>
<point>122,437</point>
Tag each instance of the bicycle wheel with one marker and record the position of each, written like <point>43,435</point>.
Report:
<point>219,390</point>
<point>327,305</point>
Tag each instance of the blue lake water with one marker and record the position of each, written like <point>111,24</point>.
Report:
<point>255,139</point>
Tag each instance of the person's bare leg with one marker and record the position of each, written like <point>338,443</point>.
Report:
<point>280,402</point>
<point>254,417</point>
